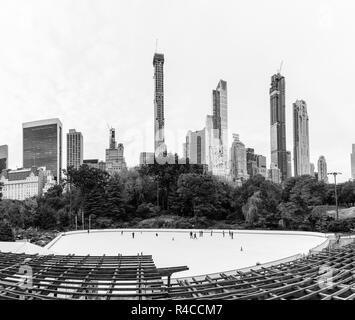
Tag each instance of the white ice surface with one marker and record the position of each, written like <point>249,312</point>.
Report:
<point>207,254</point>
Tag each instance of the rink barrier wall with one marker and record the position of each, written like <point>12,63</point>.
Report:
<point>207,231</point>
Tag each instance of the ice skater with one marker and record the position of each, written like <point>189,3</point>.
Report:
<point>211,233</point>
<point>195,237</point>
<point>241,248</point>
<point>133,235</point>
<point>190,234</point>
<point>223,233</point>
<point>156,234</point>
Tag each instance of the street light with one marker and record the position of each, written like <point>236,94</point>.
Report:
<point>335,189</point>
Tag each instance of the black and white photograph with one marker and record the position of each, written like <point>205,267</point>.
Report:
<point>176,154</point>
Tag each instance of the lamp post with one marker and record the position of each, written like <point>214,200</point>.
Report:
<point>335,191</point>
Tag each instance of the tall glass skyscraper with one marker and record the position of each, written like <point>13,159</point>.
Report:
<point>159,140</point>
<point>277,124</point>
<point>300,138</point>
<point>42,145</point>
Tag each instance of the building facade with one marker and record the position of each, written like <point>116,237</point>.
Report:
<point>301,138</point>
<point>278,124</point>
<point>322,169</point>
<point>252,167</point>
<point>289,164</point>
<point>4,157</point>
<point>220,120</point>
<point>159,120</point>
<point>95,163</point>
<point>238,161</point>
<point>274,174</point>
<point>195,147</point>
<point>352,160</point>
<point>26,183</point>
<point>146,158</point>
<point>115,161</point>
<point>75,149</point>
<point>311,169</point>
<point>261,164</point>
<point>42,145</point>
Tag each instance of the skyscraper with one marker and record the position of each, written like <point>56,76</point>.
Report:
<point>274,174</point>
<point>289,164</point>
<point>300,138</point>
<point>322,169</point>
<point>352,159</point>
<point>252,167</point>
<point>311,169</point>
<point>75,147</point>
<point>159,140</point>
<point>220,119</point>
<point>277,124</point>
<point>115,161</point>
<point>4,156</point>
<point>42,145</point>
<point>261,164</point>
<point>195,146</point>
<point>238,162</point>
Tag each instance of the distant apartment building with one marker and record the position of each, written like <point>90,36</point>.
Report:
<point>274,174</point>
<point>300,139</point>
<point>115,161</point>
<point>75,149</point>
<point>312,169</point>
<point>238,160</point>
<point>42,145</point>
<point>95,163</point>
<point>21,184</point>
<point>195,147</point>
<point>352,159</point>
<point>256,163</point>
<point>322,169</point>
<point>261,165</point>
<point>146,158</point>
<point>4,157</point>
<point>289,164</point>
<point>252,168</point>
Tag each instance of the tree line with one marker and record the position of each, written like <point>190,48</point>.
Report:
<point>176,195</point>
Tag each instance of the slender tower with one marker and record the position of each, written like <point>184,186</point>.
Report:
<point>220,120</point>
<point>159,141</point>
<point>300,138</point>
<point>277,124</point>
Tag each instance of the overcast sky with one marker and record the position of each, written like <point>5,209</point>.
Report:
<point>89,63</point>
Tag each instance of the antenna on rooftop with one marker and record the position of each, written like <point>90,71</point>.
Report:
<point>279,70</point>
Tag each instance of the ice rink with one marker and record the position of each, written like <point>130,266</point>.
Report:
<point>206,254</point>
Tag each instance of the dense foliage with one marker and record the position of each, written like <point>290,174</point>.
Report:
<point>181,196</point>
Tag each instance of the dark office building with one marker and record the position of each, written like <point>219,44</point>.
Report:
<point>277,123</point>
<point>42,145</point>
<point>4,155</point>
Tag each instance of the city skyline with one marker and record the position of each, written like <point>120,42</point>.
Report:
<point>111,81</point>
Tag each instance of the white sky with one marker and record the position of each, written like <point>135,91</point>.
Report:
<point>89,63</point>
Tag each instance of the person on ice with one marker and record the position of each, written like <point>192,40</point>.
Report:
<point>133,235</point>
